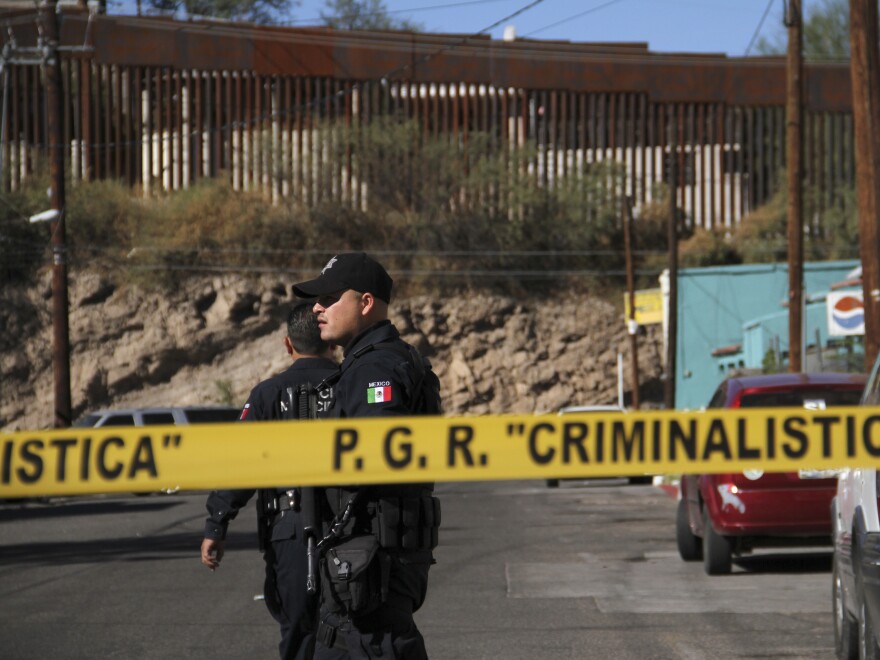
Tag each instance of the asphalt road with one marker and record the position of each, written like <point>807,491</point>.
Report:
<point>588,570</point>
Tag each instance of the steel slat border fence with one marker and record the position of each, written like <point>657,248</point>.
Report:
<point>160,124</point>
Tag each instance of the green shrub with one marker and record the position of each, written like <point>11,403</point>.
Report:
<point>450,212</point>
<point>225,394</point>
<point>24,246</point>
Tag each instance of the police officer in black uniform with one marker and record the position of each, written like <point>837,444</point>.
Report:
<point>375,559</point>
<point>280,523</point>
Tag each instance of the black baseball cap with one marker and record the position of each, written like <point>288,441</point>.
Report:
<point>350,270</point>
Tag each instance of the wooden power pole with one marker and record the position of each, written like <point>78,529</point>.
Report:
<point>864,69</point>
<point>632,326</point>
<point>672,239</point>
<point>60,306</point>
<point>794,153</point>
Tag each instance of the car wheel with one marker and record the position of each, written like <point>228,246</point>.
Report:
<point>690,547</point>
<point>717,550</point>
<point>867,642</point>
<point>552,483</point>
<point>846,630</point>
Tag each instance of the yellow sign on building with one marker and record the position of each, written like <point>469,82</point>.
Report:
<point>649,306</point>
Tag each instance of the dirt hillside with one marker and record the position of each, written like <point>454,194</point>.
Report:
<point>211,341</point>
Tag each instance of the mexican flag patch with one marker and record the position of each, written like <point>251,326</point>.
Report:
<point>379,394</point>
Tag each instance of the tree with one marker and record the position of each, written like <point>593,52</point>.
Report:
<point>826,33</point>
<point>254,11</point>
<point>363,15</point>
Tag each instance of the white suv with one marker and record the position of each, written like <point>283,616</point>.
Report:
<point>159,415</point>
<point>856,567</point>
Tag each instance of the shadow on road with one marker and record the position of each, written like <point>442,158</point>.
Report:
<point>806,562</point>
<point>32,510</point>
<point>148,548</point>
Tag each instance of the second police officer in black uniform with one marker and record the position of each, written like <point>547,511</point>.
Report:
<point>378,541</point>
<point>280,523</point>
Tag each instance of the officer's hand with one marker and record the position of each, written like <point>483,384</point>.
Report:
<point>212,552</point>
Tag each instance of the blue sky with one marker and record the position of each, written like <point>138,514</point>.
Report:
<point>692,26</point>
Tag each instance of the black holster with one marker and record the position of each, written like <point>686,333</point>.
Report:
<point>407,523</point>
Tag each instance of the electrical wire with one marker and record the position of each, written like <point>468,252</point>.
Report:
<point>21,215</point>
<point>452,272</point>
<point>112,255</point>
<point>409,273</point>
<point>452,5</point>
<point>758,29</point>
<point>414,253</point>
<point>573,17</point>
<point>462,41</point>
<point>543,254</point>
<point>523,10</point>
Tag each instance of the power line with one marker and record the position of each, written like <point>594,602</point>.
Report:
<point>207,251</point>
<point>475,2</point>
<point>573,17</point>
<point>319,21</point>
<point>758,29</point>
<point>410,273</point>
<point>391,253</point>
<point>513,15</point>
<point>462,41</point>
<point>21,214</point>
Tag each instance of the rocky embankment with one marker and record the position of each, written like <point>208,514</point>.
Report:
<point>211,341</point>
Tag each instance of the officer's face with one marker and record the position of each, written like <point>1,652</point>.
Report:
<point>340,316</point>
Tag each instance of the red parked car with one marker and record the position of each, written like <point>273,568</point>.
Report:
<point>722,515</point>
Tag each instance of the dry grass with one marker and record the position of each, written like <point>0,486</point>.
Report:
<point>449,228</point>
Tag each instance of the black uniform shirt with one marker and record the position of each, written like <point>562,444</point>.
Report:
<point>264,403</point>
<point>265,399</point>
<point>375,383</point>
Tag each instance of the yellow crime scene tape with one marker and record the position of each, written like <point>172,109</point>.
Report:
<point>411,449</point>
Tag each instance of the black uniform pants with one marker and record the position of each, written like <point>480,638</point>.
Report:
<point>389,633</point>
<point>399,640</point>
<point>287,599</point>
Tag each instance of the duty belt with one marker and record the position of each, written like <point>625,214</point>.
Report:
<point>331,636</point>
<point>283,502</point>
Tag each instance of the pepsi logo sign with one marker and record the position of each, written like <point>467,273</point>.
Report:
<point>846,313</point>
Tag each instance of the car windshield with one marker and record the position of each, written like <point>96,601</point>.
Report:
<point>799,398</point>
<point>205,415</point>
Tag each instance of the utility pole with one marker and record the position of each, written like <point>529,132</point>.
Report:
<point>632,325</point>
<point>60,307</point>
<point>794,152</point>
<point>864,69</point>
<point>672,240</point>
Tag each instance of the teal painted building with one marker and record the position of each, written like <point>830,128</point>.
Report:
<point>730,317</point>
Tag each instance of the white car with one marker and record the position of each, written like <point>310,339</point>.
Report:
<point>554,483</point>
<point>159,415</point>
<point>856,565</point>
